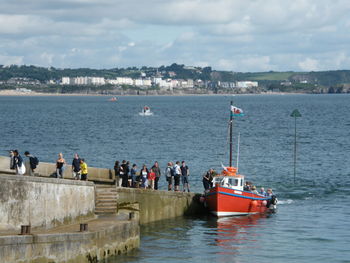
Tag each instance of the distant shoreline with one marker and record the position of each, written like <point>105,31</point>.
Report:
<point>4,93</point>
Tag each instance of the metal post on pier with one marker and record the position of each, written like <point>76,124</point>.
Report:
<point>296,114</point>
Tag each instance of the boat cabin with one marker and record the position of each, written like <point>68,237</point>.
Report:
<point>229,182</point>
<point>230,179</point>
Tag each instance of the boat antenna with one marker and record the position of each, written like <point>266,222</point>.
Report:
<point>239,136</point>
<point>231,124</point>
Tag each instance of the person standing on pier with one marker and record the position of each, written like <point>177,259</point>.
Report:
<point>12,160</point>
<point>84,170</point>
<point>117,170</point>
<point>125,174</point>
<point>31,163</point>
<point>133,172</point>
<point>18,163</point>
<point>177,176</point>
<point>156,170</point>
<point>60,164</point>
<point>76,170</point>
<point>151,178</point>
<point>169,175</point>
<point>185,172</point>
<point>144,175</point>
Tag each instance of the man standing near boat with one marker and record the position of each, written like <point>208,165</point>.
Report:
<point>185,172</point>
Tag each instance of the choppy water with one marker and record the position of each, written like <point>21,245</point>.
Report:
<point>312,224</point>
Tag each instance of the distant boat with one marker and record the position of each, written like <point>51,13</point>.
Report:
<point>146,111</point>
<point>113,99</point>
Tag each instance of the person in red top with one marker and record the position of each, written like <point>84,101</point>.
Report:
<point>151,178</point>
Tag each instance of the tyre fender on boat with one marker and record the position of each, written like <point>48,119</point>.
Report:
<point>253,205</point>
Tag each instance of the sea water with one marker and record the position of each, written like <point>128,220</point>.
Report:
<point>312,223</point>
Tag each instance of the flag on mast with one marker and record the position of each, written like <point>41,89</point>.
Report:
<point>236,112</point>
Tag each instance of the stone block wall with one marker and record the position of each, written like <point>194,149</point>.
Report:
<point>43,202</point>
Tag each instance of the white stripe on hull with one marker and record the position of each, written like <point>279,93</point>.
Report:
<point>218,214</point>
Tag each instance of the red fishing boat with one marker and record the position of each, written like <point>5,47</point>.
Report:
<point>227,196</point>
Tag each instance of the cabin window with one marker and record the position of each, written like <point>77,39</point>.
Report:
<point>233,182</point>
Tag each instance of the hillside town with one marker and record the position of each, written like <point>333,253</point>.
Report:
<point>146,82</point>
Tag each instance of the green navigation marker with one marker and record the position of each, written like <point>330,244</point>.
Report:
<point>295,114</point>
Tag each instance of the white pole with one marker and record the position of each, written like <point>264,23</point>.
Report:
<point>238,141</point>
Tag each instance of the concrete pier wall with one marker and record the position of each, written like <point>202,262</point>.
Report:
<point>159,205</point>
<point>116,237</point>
<point>43,202</point>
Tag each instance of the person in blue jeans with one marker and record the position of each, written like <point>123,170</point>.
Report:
<point>185,172</point>
<point>144,175</point>
<point>133,175</point>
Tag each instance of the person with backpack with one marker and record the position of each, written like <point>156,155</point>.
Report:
<point>31,163</point>
<point>169,175</point>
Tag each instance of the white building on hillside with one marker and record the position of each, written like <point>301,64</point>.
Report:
<point>125,81</point>
<point>67,81</point>
<point>246,84</point>
<point>98,81</point>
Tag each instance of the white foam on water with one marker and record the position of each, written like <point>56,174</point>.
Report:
<point>285,202</point>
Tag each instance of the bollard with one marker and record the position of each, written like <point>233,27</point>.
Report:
<point>25,230</point>
<point>28,228</point>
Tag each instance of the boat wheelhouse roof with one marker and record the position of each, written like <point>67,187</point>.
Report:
<point>230,171</point>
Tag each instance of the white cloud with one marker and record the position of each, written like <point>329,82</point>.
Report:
<point>309,64</point>
<point>233,35</point>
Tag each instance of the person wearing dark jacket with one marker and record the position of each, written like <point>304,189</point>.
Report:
<point>76,170</point>
<point>156,170</point>
<point>18,162</point>
<point>29,163</point>
<point>125,175</point>
<point>143,176</point>
<point>117,170</point>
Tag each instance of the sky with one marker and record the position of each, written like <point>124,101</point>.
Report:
<point>234,35</point>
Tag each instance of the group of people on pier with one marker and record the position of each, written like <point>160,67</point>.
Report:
<point>125,175</point>
<point>28,165</point>
<point>145,178</point>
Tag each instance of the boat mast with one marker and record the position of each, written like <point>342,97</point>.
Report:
<point>238,141</point>
<point>231,124</point>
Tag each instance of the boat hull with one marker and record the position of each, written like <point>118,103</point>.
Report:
<point>223,201</point>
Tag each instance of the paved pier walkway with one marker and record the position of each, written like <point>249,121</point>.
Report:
<point>99,223</point>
